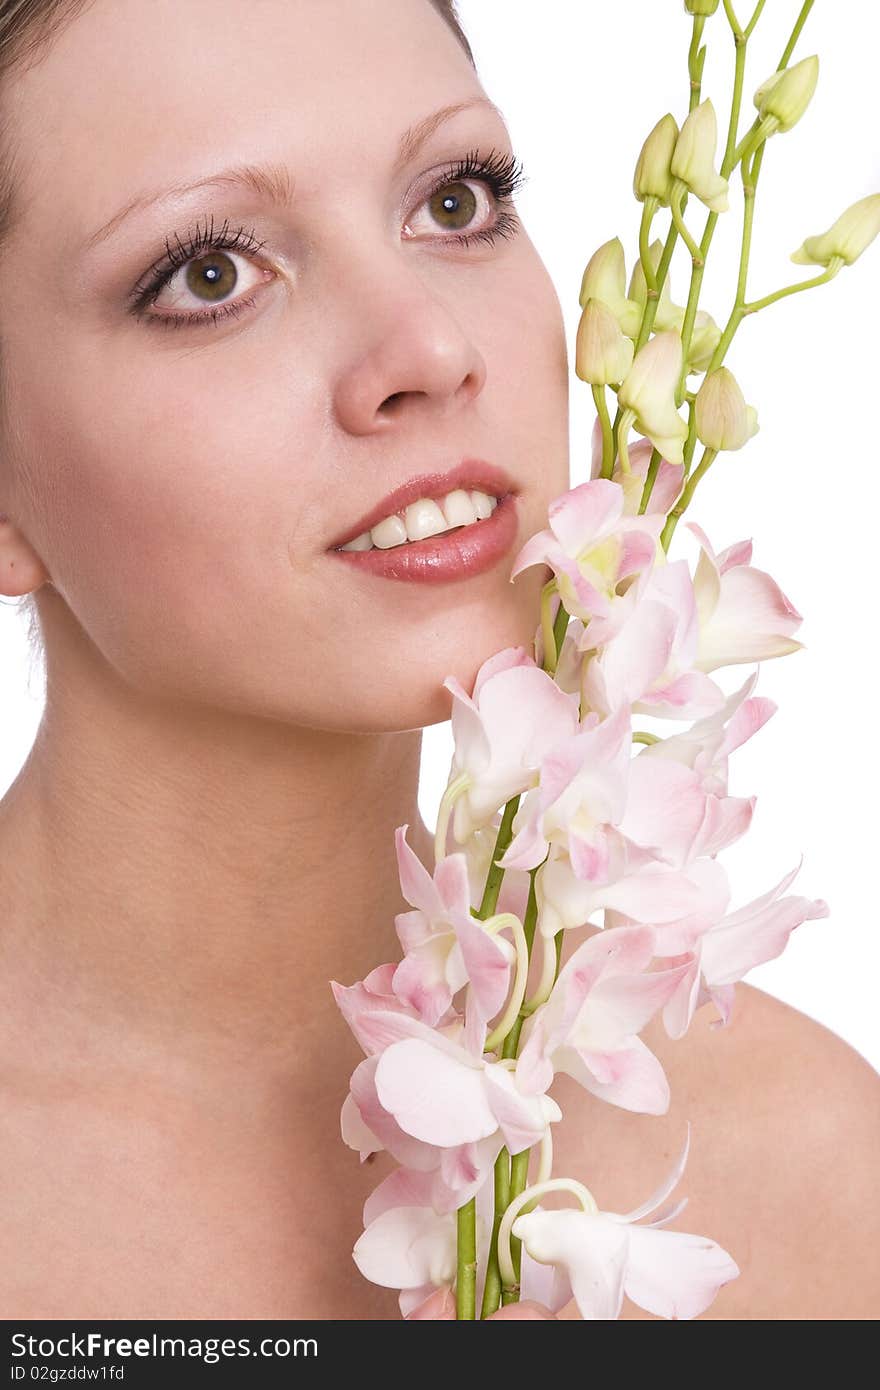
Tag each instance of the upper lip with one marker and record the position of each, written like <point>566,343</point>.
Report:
<point>470,473</point>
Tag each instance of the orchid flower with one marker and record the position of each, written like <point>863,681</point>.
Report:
<point>501,732</point>
<point>445,947</point>
<point>743,613</point>
<point>732,946</point>
<point>592,546</point>
<point>602,1256</point>
<point>650,663</point>
<point>603,998</point>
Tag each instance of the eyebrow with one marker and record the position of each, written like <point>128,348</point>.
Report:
<point>273,182</point>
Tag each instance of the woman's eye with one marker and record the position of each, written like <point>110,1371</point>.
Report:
<point>199,284</point>
<point>206,280</point>
<point>455,207</point>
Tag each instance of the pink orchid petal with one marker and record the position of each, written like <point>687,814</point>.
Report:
<point>730,950</point>
<point>407,1247</point>
<point>629,1002</point>
<point>438,1305</point>
<point>433,1096</point>
<point>355,1133</point>
<point>587,513</point>
<point>631,1076</point>
<point>487,964</point>
<point>405,1187</point>
<point>416,884</point>
<point>682,1006</point>
<point>522,1119</point>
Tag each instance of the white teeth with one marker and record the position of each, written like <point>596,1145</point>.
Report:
<point>458,508</point>
<point>426,517</point>
<point>389,532</point>
<point>361,542</point>
<point>484,505</point>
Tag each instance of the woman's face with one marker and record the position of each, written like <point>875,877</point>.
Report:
<point>183,483</point>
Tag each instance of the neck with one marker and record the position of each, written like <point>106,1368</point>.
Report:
<point>184,883</point>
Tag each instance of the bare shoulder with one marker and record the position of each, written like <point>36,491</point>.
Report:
<point>785,1133</point>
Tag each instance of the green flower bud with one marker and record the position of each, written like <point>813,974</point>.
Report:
<point>652,178</point>
<point>603,355</point>
<point>605,279</point>
<point>786,95</point>
<point>701,6</point>
<point>853,231</point>
<point>693,159</point>
<point>649,392</point>
<point>723,420</point>
<point>705,338</point>
<point>668,315</point>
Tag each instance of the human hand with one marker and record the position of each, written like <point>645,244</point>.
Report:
<point>440,1306</point>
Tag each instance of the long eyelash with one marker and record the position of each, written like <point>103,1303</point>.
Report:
<point>502,172</point>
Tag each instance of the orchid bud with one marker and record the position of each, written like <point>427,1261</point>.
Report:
<point>786,95</point>
<point>652,178</point>
<point>723,419</point>
<point>853,231</point>
<point>603,354</point>
<point>649,391</point>
<point>693,159</point>
<point>605,279</point>
<point>668,315</point>
<point>705,338</point>
<point>701,6</point>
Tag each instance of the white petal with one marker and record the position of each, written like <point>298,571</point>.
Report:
<point>674,1274</point>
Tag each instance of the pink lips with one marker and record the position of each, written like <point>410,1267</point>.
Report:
<point>470,473</point>
<point>454,555</point>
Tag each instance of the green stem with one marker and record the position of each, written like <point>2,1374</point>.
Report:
<point>795,34</point>
<point>678,189</point>
<point>607,437</point>
<point>649,208</point>
<point>653,468</point>
<point>492,1287</point>
<point>833,267</point>
<point>503,1174</point>
<point>754,19</point>
<point>696,59</point>
<point>644,737</point>
<point>682,503</point>
<point>466,1278</point>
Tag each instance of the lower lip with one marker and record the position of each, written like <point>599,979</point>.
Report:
<point>459,554</point>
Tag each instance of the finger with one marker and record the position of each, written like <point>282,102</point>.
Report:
<point>526,1308</point>
<point>440,1305</point>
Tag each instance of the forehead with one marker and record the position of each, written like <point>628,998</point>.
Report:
<point>179,88</point>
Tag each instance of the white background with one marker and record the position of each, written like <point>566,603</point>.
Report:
<point>581,83</point>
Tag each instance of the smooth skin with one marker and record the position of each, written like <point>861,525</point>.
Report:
<point>202,835</point>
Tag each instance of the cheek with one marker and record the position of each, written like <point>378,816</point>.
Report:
<point>164,513</point>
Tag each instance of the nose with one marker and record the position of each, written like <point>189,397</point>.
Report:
<point>408,350</point>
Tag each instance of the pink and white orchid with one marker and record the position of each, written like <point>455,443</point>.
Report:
<point>603,998</point>
<point>592,547</point>
<point>650,663</point>
<point>743,613</point>
<point>445,946</point>
<point>501,733</point>
<point>730,947</point>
